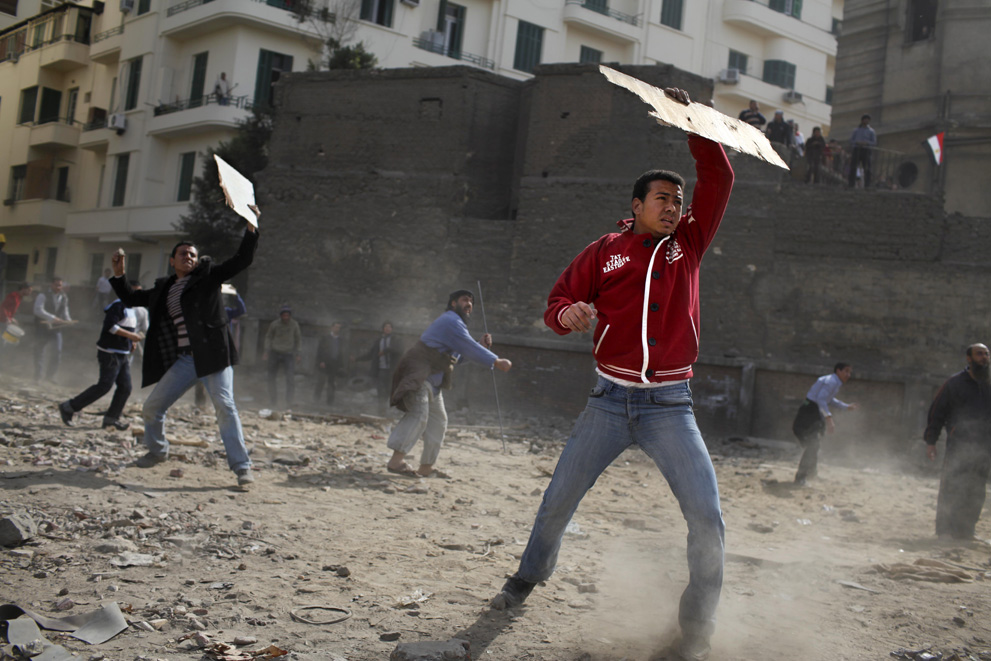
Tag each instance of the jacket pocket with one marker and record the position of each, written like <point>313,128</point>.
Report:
<point>601,338</point>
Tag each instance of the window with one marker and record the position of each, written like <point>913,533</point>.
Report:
<point>199,80</point>
<point>921,22</point>
<point>144,6</point>
<point>454,30</point>
<point>17,268</point>
<point>829,94</point>
<point>270,67</point>
<point>8,7</point>
<point>133,268</point>
<point>187,163</point>
<point>39,35</point>
<point>671,14</point>
<point>377,11</point>
<point>70,105</point>
<point>62,184</point>
<point>29,103</point>
<point>601,6</point>
<point>788,7</point>
<point>590,55</point>
<point>738,61</point>
<point>780,73</point>
<point>51,104</point>
<point>133,84</point>
<point>529,43</point>
<point>120,180</point>
<point>51,255</point>
<point>18,175</point>
<point>96,266</point>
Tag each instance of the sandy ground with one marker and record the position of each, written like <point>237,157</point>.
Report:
<point>418,559</point>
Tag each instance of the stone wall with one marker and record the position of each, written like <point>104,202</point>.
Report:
<point>387,190</point>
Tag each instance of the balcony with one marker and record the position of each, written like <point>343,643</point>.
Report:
<point>61,38</point>
<point>55,134</point>
<point>188,19</point>
<point>439,48</point>
<point>120,224</point>
<point>105,48</point>
<point>598,16</point>
<point>95,136</point>
<point>191,116</point>
<point>36,213</point>
<point>65,55</point>
<point>757,17</point>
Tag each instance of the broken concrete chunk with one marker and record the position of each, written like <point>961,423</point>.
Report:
<point>451,650</point>
<point>17,529</point>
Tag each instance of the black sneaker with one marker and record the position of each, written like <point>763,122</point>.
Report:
<point>150,459</point>
<point>112,423</point>
<point>66,412</point>
<point>513,593</point>
<point>245,478</point>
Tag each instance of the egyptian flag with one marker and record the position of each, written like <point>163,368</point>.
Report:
<point>936,145</point>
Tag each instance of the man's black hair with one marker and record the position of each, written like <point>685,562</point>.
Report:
<point>840,366</point>
<point>23,286</point>
<point>182,243</point>
<point>970,349</point>
<point>387,323</point>
<point>864,116</point>
<point>642,185</point>
<point>458,294</point>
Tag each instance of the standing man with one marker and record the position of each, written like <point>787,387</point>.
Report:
<point>330,362</point>
<point>814,417</point>
<point>51,312</point>
<point>641,286</point>
<point>963,406</point>
<point>815,155</point>
<point>383,354</point>
<point>862,141</point>
<point>12,302</point>
<point>222,89</point>
<point>423,372</point>
<point>753,116</point>
<point>283,342</point>
<point>189,340</point>
<point>117,338</point>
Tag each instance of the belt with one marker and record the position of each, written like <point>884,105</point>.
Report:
<point>185,351</point>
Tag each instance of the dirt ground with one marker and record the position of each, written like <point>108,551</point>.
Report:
<point>811,573</point>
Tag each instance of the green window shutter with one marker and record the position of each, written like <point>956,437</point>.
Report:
<point>133,84</point>
<point>671,13</point>
<point>120,180</point>
<point>199,79</point>
<point>187,162</point>
<point>529,43</point>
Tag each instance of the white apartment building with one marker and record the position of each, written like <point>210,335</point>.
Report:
<point>107,109</point>
<point>781,53</point>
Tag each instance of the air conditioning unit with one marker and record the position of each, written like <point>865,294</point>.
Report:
<point>126,6</point>
<point>117,122</point>
<point>791,96</point>
<point>411,3</point>
<point>729,76</point>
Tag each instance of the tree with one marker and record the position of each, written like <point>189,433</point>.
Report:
<point>213,226</point>
<point>336,21</point>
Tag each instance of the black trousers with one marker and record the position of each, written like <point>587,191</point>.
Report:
<point>114,369</point>
<point>809,427</point>
<point>861,155</point>
<point>962,488</point>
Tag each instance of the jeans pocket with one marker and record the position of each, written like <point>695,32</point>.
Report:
<point>597,391</point>
<point>664,397</point>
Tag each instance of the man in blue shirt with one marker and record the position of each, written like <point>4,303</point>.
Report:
<point>423,372</point>
<point>814,418</point>
<point>862,142</point>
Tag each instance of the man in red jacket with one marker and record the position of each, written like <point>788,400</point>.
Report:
<point>639,290</point>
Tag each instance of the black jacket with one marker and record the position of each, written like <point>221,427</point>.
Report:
<point>203,311</point>
<point>963,406</point>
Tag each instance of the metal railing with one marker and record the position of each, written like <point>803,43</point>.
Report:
<point>889,170</point>
<point>287,5</point>
<point>242,102</point>
<point>95,124</point>
<point>440,49</point>
<point>600,7</point>
<point>14,43</point>
<point>106,34</point>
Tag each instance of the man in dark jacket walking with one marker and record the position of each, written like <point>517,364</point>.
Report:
<point>189,340</point>
<point>963,406</point>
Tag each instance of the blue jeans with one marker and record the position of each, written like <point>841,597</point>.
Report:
<point>220,386</point>
<point>661,422</point>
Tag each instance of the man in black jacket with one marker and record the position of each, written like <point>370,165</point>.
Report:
<point>963,406</point>
<point>117,338</point>
<point>189,340</point>
<point>384,354</point>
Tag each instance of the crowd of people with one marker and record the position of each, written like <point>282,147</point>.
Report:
<point>823,160</point>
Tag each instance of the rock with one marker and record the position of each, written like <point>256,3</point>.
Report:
<point>116,545</point>
<point>390,636</point>
<point>17,529</point>
<point>584,588</point>
<point>144,626</point>
<point>64,604</point>
<point>245,640</point>
<point>451,650</point>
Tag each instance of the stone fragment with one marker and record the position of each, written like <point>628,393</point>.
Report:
<point>451,650</point>
<point>245,640</point>
<point>17,529</point>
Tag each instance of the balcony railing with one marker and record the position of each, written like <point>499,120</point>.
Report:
<point>243,102</point>
<point>95,124</point>
<point>189,4</point>
<point>890,170</point>
<point>600,7</point>
<point>440,49</point>
<point>51,29</point>
<point>106,34</point>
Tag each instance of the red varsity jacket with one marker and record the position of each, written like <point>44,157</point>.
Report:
<point>646,290</point>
